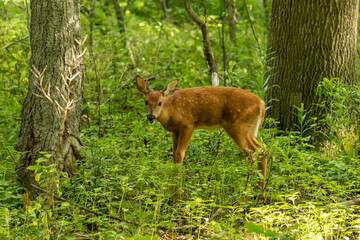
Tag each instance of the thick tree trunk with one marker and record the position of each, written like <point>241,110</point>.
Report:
<point>49,121</point>
<point>309,40</point>
<point>209,55</point>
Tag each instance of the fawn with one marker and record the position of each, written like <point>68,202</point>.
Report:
<point>239,112</point>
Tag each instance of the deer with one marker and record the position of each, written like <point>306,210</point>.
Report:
<point>239,112</point>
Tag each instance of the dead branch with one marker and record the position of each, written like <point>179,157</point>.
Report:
<point>19,40</point>
<point>349,203</point>
<point>209,55</point>
<point>131,54</point>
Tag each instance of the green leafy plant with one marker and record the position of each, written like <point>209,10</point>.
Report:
<point>127,187</point>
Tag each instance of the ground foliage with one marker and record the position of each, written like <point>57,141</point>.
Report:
<point>128,171</point>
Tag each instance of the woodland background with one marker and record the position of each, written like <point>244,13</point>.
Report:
<point>124,186</point>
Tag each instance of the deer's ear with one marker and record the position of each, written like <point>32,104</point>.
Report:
<point>170,88</point>
<point>141,85</point>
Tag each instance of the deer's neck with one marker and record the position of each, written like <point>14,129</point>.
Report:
<point>165,114</point>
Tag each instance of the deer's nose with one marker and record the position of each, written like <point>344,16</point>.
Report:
<point>151,118</point>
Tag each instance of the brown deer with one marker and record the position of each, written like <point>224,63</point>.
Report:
<point>180,111</point>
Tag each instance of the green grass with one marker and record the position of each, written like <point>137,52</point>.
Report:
<point>139,184</point>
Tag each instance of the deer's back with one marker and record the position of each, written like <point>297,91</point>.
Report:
<point>209,107</point>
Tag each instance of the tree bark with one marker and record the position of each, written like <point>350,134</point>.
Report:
<point>309,41</point>
<point>232,20</point>
<point>119,16</point>
<point>164,7</point>
<point>209,55</point>
<point>50,118</point>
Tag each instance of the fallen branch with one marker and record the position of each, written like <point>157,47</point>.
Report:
<point>349,203</point>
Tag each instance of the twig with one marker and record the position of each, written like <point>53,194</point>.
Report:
<point>251,24</point>
<point>19,40</point>
<point>77,205</point>
<point>23,45</point>
<point>149,78</point>
<point>213,216</point>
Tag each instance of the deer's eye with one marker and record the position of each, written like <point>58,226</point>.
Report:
<point>160,103</point>
<point>146,102</point>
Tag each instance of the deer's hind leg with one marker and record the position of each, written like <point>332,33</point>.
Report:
<point>244,137</point>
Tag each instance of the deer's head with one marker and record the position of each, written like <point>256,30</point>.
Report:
<point>153,99</point>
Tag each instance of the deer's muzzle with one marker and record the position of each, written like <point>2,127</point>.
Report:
<point>151,117</point>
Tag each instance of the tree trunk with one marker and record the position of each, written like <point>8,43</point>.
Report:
<point>309,41</point>
<point>209,55</point>
<point>119,16</point>
<point>164,7</point>
<point>50,118</point>
<point>232,20</point>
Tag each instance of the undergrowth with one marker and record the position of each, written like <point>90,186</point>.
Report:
<point>127,187</point>
<point>135,180</point>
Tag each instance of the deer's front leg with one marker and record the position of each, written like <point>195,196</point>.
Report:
<point>262,165</point>
<point>183,139</point>
<point>175,136</point>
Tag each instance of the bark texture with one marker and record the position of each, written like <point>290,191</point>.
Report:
<point>232,20</point>
<point>309,41</point>
<point>119,16</point>
<point>209,55</point>
<point>55,48</point>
